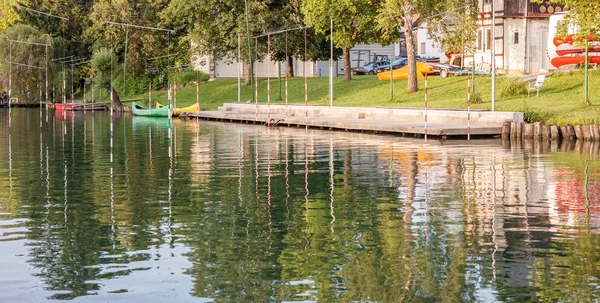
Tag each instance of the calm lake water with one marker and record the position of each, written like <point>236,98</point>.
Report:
<point>237,213</point>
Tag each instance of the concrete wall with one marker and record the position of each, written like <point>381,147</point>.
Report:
<point>482,118</point>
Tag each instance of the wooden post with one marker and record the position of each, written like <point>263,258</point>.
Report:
<point>595,132</point>
<point>519,132</point>
<point>513,130</point>
<point>527,131</point>
<point>578,131</point>
<point>587,132</point>
<point>506,130</point>
<point>571,131</point>
<point>545,132</point>
<point>554,132</point>
<point>537,130</point>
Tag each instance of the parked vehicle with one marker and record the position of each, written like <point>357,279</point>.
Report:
<point>369,68</point>
<point>398,63</point>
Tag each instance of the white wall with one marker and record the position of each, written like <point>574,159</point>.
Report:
<point>514,54</point>
<point>431,49</point>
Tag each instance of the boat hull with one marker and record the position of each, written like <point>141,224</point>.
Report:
<point>568,60</point>
<point>139,110</point>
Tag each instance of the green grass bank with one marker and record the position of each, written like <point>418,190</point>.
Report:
<point>561,99</point>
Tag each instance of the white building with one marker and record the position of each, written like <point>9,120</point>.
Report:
<point>521,35</point>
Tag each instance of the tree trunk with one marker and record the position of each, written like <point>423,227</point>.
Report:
<point>413,85</point>
<point>347,70</point>
<point>246,74</point>
<point>116,100</point>
<point>290,67</point>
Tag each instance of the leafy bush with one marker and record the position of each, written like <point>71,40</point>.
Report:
<point>189,77</point>
<point>476,98</point>
<point>514,88</point>
<point>134,85</point>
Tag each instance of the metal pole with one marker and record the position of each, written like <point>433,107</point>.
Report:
<point>125,61</point>
<point>269,81</point>
<point>493,57</point>
<point>250,62</point>
<point>46,78</point>
<point>279,78</point>
<point>256,80</point>
<point>286,76</point>
<point>305,83</point>
<point>391,79</point>
<point>72,90</point>
<point>239,69</point>
<point>331,61</point>
<point>10,84</point>
<point>585,82</point>
<point>425,131</point>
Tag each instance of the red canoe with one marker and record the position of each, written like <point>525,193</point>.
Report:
<point>560,61</point>
<point>568,49</point>
<point>568,39</point>
<point>66,106</point>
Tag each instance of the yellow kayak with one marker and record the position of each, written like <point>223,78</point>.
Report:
<point>402,73</point>
<point>178,111</point>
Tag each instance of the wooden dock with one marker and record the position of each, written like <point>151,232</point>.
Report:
<point>407,122</point>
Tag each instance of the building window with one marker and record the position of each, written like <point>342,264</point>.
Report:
<point>488,39</point>
<point>479,41</point>
<point>423,48</point>
<point>487,1</point>
<point>516,37</point>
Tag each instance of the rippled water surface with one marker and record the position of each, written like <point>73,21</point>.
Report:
<point>214,212</point>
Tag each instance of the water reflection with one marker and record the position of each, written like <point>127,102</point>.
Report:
<point>157,211</point>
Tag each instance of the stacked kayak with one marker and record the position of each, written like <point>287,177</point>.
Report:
<point>402,73</point>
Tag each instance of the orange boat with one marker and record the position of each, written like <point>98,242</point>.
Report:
<point>568,39</point>
<point>567,49</point>
<point>567,60</point>
<point>65,106</point>
<point>402,73</point>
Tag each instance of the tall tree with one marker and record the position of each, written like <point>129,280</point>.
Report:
<point>394,15</point>
<point>71,30</point>
<point>142,44</point>
<point>212,28</point>
<point>8,15</point>
<point>453,25</point>
<point>353,23</point>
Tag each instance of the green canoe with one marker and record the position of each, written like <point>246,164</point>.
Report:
<point>139,110</point>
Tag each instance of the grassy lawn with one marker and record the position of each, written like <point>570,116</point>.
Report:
<point>560,101</point>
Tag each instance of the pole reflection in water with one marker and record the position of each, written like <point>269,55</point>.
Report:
<point>494,240</point>
<point>306,177</point>
<point>150,145</point>
<point>332,186</point>
<point>269,192</point>
<point>10,172</point>
<point>240,156</point>
<point>256,166</point>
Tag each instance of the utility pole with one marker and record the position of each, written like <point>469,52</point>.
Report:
<point>493,57</point>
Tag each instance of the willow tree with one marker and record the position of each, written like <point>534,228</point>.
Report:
<point>353,23</point>
<point>29,61</point>
<point>103,63</point>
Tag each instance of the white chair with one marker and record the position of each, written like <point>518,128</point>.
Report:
<point>539,82</point>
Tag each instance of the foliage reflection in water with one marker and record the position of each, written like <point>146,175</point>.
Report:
<point>205,211</point>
